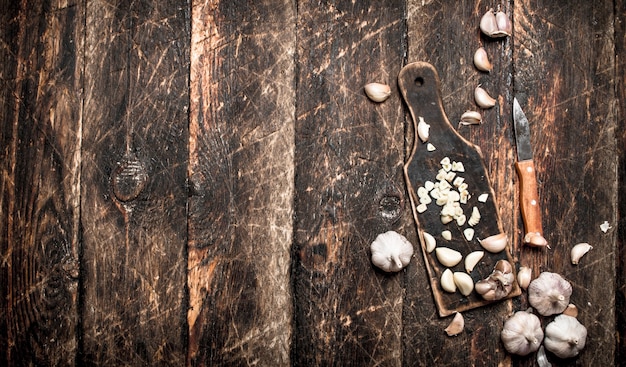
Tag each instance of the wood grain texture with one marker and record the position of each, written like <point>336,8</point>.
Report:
<point>349,186</point>
<point>40,140</point>
<point>133,200</point>
<point>241,175</point>
<point>571,103</point>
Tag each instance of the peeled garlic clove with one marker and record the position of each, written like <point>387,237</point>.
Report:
<point>495,243</point>
<point>524,276</point>
<point>456,326</point>
<point>464,283</point>
<point>578,251</point>
<point>448,257</point>
<point>377,92</point>
<point>430,242</point>
<point>471,118</point>
<point>488,23</point>
<point>423,129</point>
<point>447,281</point>
<point>483,99</point>
<point>468,233</point>
<point>447,235</point>
<point>472,259</point>
<point>481,60</point>
<point>504,25</point>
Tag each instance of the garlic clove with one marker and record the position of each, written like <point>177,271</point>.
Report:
<point>549,293</point>
<point>430,242</point>
<point>464,283</point>
<point>447,235</point>
<point>483,99</point>
<point>503,266</point>
<point>495,243</point>
<point>483,198</point>
<point>524,276</point>
<point>430,147</point>
<point>579,251</point>
<point>474,217</point>
<point>481,60</point>
<point>542,358</point>
<point>391,251</point>
<point>456,325</point>
<point>447,281</point>
<point>447,256</point>
<point>571,310</point>
<point>472,259</point>
<point>423,129</point>
<point>488,24</point>
<point>504,25</point>
<point>377,92</point>
<point>535,239</point>
<point>565,336</point>
<point>471,118</point>
<point>468,233</point>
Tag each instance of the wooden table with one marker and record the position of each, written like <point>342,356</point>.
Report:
<point>199,182</point>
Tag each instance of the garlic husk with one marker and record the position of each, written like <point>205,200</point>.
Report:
<point>579,251</point>
<point>483,99</point>
<point>549,293</point>
<point>522,333</point>
<point>456,325</point>
<point>430,242</point>
<point>464,283</point>
<point>447,281</point>
<point>571,310</point>
<point>495,243</point>
<point>377,92</point>
<point>481,60</point>
<point>472,259</point>
<point>448,257</point>
<point>391,251</point>
<point>423,129</point>
<point>524,276</point>
<point>565,336</point>
<point>471,118</point>
<point>504,25</point>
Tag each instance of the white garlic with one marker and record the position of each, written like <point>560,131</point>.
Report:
<point>481,60</point>
<point>391,251</point>
<point>471,118</point>
<point>565,336</point>
<point>605,226</point>
<point>447,281</point>
<point>549,293</point>
<point>483,198</point>
<point>472,259</point>
<point>495,25</point>
<point>504,24</point>
<point>430,147</point>
<point>524,276</point>
<point>430,242</point>
<point>447,256</point>
<point>495,243</point>
<point>456,325</point>
<point>423,129</point>
<point>464,283</point>
<point>522,333</point>
<point>483,99</point>
<point>468,233</point>
<point>447,235</point>
<point>377,92</point>
<point>578,251</point>
<point>535,239</point>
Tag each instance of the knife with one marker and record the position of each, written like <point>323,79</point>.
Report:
<point>529,198</point>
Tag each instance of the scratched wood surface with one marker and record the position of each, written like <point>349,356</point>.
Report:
<point>198,182</point>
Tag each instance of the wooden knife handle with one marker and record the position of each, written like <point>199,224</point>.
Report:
<point>529,198</point>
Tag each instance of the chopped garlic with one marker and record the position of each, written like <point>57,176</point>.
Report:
<point>483,198</point>
<point>430,147</point>
<point>446,235</point>
<point>605,226</point>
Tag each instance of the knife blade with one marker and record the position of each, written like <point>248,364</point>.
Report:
<point>525,166</point>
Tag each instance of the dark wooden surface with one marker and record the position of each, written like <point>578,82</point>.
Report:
<point>198,182</point>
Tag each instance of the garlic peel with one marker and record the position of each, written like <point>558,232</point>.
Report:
<point>549,293</point>
<point>377,92</point>
<point>522,333</point>
<point>565,336</point>
<point>391,251</point>
<point>579,251</point>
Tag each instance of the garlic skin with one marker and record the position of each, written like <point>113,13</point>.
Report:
<point>565,336</point>
<point>481,60</point>
<point>579,251</point>
<point>391,251</point>
<point>522,333</point>
<point>377,92</point>
<point>549,294</point>
<point>483,99</point>
<point>571,310</point>
<point>456,325</point>
<point>524,276</point>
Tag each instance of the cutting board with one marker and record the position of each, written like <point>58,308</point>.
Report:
<point>420,88</point>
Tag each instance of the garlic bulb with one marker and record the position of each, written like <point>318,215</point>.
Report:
<point>391,251</point>
<point>565,336</point>
<point>377,92</point>
<point>498,284</point>
<point>522,333</point>
<point>549,293</point>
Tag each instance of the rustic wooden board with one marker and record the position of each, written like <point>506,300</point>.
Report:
<point>40,94</point>
<point>565,80</point>
<point>133,198</point>
<point>620,96</point>
<point>349,185</point>
<point>241,175</point>
<point>419,84</point>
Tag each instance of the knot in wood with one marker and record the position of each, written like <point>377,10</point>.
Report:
<point>390,203</point>
<point>129,178</point>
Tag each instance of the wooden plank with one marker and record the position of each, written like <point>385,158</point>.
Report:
<point>40,94</point>
<point>446,35</point>
<point>241,175</point>
<point>565,78</point>
<point>349,157</point>
<point>133,199</point>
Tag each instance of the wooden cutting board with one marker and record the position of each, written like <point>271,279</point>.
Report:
<point>419,85</point>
